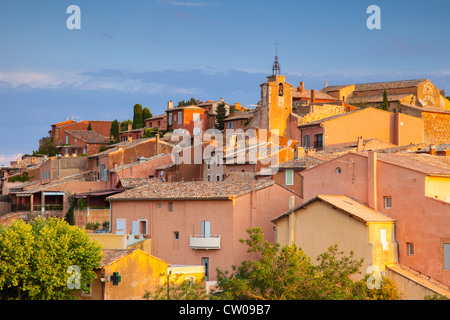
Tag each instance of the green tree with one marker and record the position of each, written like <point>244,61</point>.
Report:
<point>221,112</point>
<point>189,102</point>
<point>385,104</point>
<point>283,273</point>
<point>146,114</point>
<point>138,122</point>
<point>124,125</point>
<point>35,258</point>
<point>177,289</point>
<point>47,146</point>
<point>114,132</point>
<point>89,127</point>
<point>150,132</point>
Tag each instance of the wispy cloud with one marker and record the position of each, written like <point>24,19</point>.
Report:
<point>5,159</point>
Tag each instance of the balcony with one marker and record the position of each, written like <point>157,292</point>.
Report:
<point>205,242</point>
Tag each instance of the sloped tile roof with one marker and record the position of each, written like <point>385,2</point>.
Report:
<point>88,136</point>
<point>355,208</point>
<point>129,183</point>
<point>424,163</point>
<point>196,190</point>
<point>377,85</point>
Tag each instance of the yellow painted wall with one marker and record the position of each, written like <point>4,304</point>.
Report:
<point>110,241</point>
<point>318,226</point>
<point>381,256</point>
<point>438,188</point>
<point>139,272</point>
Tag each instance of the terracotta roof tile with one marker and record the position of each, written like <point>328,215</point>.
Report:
<point>196,190</point>
<point>111,255</point>
<point>88,136</point>
<point>377,85</point>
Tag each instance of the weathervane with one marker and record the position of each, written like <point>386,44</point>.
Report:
<point>276,65</point>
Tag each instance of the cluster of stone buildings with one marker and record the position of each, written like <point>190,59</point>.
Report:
<point>320,168</point>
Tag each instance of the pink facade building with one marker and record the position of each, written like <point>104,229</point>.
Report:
<point>413,189</point>
<point>200,222</point>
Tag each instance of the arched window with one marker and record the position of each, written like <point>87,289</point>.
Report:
<point>280,89</point>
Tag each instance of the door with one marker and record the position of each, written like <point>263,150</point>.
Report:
<point>142,227</point>
<point>206,229</point>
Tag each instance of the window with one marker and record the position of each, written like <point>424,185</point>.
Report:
<point>180,119</point>
<point>120,226</point>
<point>196,116</point>
<point>205,263</point>
<point>176,235</point>
<point>209,177</point>
<point>410,248</point>
<point>67,139</point>
<point>218,177</point>
<point>306,142</point>
<point>338,170</point>
<point>170,119</point>
<point>388,202</point>
<point>206,229</point>
<point>289,175</point>
<point>171,206</point>
<point>446,256</point>
<point>230,125</point>
<point>280,89</point>
<point>159,205</point>
<point>318,141</point>
<point>301,186</point>
<point>88,292</point>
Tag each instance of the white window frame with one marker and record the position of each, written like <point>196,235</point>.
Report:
<point>286,175</point>
<point>388,202</point>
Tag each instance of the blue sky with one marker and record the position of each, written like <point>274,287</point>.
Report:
<point>150,52</point>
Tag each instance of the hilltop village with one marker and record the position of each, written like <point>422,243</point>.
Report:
<point>365,166</point>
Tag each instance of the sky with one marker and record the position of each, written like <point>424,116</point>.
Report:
<point>153,51</point>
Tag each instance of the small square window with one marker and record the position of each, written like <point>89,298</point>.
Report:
<point>410,247</point>
<point>176,235</point>
<point>171,206</point>
<point>159,205</point>
<point>388,202</point>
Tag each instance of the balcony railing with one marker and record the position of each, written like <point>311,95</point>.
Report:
<point>205,242</point>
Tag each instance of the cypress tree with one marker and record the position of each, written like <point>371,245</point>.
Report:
<point>114,132</point>
<point>137,117</point>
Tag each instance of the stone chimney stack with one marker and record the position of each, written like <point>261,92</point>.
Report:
<point>301,88</point>
<point>313,95</point>
<point>170,104</point>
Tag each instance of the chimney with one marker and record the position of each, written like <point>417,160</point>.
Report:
<point>433,150</point>
<point>130,127</point>
<point>447,152</point>
<point>157,144</point>
<point>170,104</point>
<point>291,202</point>
<point>359,144</point>
<point>372,179</point>
<point>313,95</point>
<point>301,88</point>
